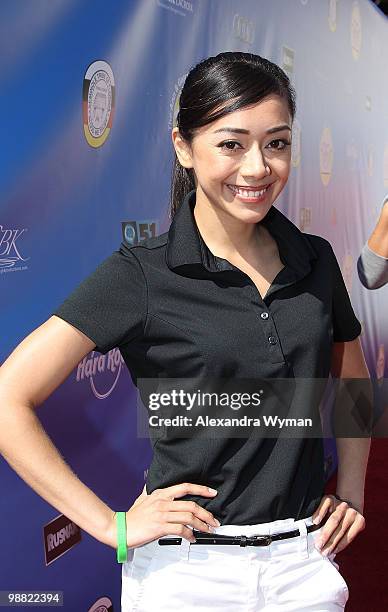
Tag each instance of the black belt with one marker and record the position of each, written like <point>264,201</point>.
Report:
<point>202,537</point>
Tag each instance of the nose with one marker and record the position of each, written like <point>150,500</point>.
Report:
<point>254,165</point>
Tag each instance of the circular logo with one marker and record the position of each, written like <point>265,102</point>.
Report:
<point>98,102</point>
<point>355,31</point>
<point>326,156</point>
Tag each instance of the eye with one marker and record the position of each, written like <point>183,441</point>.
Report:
<point>286,143</point>
<point>222,145</point>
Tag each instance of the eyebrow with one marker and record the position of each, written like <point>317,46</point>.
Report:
<point>278,128</point>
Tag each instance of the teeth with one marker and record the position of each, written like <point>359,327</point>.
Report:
<point>247,194</point>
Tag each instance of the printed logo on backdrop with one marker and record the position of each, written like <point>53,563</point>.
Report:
<point>347,271</point>
<point>352,153</point>
<point>101,371</point>
<point>332,16</point>
<point>183,8</point>
<point>243,29</point>
<point>10,256</point>
<point>326,154</point>
<point>60,535</point>
<point>368,103</point>
<point>295,143</point>
<point>98,102</point>
<point>287,61</point>
<point>370,160</point>
<point>304,2</point>
<point>385,166</point>
<point>355,31</point>
<point>305,219</point>
<point>103,604</point>
<point>134,232</point>
<point>174,102</point>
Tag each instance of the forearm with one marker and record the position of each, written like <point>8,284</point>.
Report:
<point>29,451</point>
<point>353,456</point>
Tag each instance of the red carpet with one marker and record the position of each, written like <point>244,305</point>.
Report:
<point>364,563</point>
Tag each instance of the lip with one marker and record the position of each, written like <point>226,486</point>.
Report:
<point>248,187</point>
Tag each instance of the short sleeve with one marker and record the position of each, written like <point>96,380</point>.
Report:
<point>346,326</point>
<point>109,306</point>
<point>372,268</point>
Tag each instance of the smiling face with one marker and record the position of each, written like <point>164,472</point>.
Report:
<point>237,156</point>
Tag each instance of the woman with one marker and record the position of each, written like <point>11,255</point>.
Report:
<point>233,290</point>
<point>372,264</point>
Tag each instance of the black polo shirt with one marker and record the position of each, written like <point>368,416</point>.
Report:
<point>177,311</point>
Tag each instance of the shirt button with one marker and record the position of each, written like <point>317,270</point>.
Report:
<point>264,315</point>
<point>272,340</point>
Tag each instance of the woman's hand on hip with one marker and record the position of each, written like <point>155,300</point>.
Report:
<point>344,523</point>
<point>160,513</point>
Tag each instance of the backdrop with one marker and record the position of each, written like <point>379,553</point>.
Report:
<point>90,91</point>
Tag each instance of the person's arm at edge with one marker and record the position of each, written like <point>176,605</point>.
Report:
<point>372,263</point>
<point>348,361</point>
<point>24,443</point>
<point>378,241</point>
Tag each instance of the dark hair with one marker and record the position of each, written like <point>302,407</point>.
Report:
<point>242,77</point>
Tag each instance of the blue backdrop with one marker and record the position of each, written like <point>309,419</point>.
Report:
<point>89,97</point>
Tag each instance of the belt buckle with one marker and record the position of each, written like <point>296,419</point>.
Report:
<point>260,540</point>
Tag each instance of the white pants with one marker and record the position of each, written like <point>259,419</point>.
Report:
<point>288,575</point>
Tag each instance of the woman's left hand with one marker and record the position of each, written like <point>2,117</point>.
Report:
<point>342,526</point>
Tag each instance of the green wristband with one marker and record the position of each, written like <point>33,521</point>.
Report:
<point>121,537</point>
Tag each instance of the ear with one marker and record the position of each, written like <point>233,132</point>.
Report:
<point>182,149</point>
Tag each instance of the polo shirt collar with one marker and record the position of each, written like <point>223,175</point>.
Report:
<point>186,247</point>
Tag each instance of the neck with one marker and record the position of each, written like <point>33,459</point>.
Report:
<point>224,235</point>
